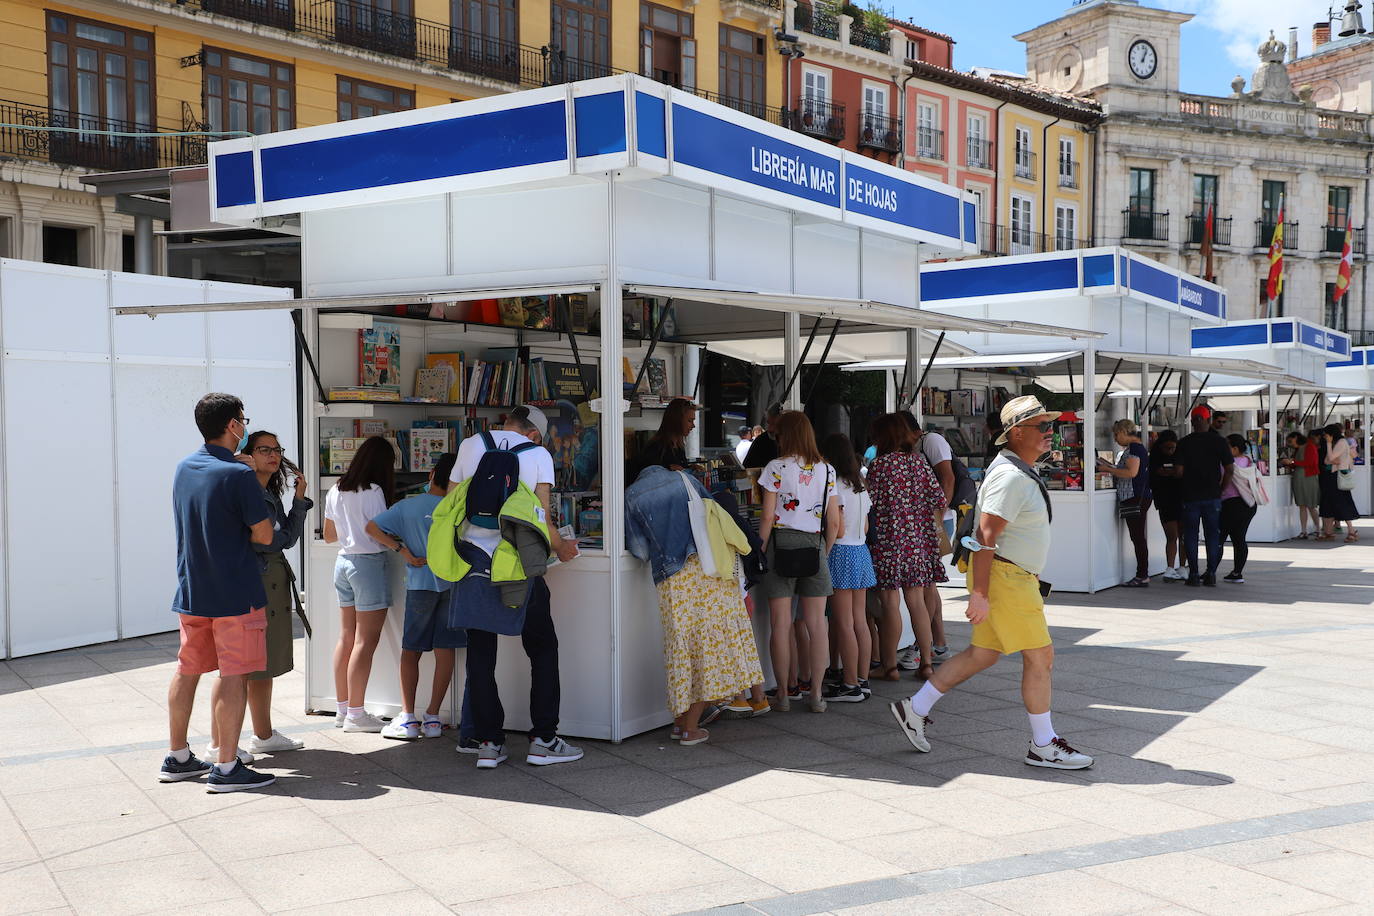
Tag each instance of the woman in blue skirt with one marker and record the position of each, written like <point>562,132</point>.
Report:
<point>851,573</point>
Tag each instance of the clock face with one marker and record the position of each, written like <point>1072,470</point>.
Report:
<point>1143,59</point>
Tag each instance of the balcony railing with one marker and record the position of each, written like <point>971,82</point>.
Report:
<point>861,36</point>
<point>75,141</point>
<point>930,143</point>
<point>1361,338</point>
<point>1025,163</point>
<point>1333,240</point>
<point>818,118</point>
<point>1221,230</point>
<point>279,14</point>
<point>1068,173</point>
<point>756,109</point>
<point>1007,240</point>
<point>977,153</point>
<point>1145,225</point>
<point>878,131</point>
<point>1264,235</point>
<point>818,20</point>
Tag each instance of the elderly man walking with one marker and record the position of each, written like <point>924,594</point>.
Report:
<point>1011,543</point>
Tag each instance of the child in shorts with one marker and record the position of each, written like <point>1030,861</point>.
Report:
<point>426,623</point>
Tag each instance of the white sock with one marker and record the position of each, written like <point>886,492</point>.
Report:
<point>431,718</point>
<point>1042,731</point>
<point>342,709</point>
<point>405,717</point>
<point>182,755</point>
<point>224,768</point>
<point>925,699</point>
<point>356,712</point>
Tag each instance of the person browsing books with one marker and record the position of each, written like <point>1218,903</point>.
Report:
<point>668,447</point>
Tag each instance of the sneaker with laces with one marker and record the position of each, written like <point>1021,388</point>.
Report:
<point>407,730</point>
<point>1234,577</point>
<point>555,750</point>
<point>1174,574</point>
<point>275,744</point>
<point>710,714</point>
<point>364,723</point>
<point>844,693</point>
<point>738,709</point>
<point>431,728</point>
<point>1057,755</point>
<point>1210,580</point>
<point>939,654</point>
<point>175,771</point>
<point>212,755</point>
<point>239,779</point>
<point>761,708</point>
<point>909,659</point>
<point>468,746</point>
<point>863,685</point>
<point>912,725</point>
<point>490,756</point>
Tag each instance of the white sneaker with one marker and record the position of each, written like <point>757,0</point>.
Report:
<point>432,728</point>
<point>275,744</point>
<point>364,723</point>
<point>543,753</point>
<point>939,654</point>
<point>1173,573</point>
<point>490,756</point>
<point>1057,755</point>
<point>909,659</point>
<point>212,755</point>
<point>408,730</point>
<point>912,725</point>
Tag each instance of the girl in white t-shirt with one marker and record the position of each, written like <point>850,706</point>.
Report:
<point>361,578</point>
<point>851,572</point>
<point>798,492</point>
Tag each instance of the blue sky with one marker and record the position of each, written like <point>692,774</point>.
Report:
<point>1218,44</point>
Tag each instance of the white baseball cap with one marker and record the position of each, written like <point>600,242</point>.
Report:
<point>535,416</point>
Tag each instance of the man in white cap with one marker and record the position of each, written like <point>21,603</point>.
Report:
<point>525,424</point>
<point>1005,605</point>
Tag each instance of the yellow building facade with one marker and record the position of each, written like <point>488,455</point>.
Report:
<point>1045,168</point>
<point>119,85</point>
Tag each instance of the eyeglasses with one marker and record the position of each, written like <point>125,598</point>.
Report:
<point>1040,427</point>
<point>266,450</point>
<point>244,420</point>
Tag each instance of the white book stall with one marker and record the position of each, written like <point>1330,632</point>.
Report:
<point>570,236</point>
<point>1352,381</point>
<point>1302,398</point>
<point>1143,313</point>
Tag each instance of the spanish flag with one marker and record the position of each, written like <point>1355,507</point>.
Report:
<point>1274,289</point>
<point>1343,272</point>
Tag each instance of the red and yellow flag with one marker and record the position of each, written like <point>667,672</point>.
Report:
<point>1343,272</point>
<point>1274,288</point>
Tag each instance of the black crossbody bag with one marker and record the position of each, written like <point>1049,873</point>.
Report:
<point>803,562</point>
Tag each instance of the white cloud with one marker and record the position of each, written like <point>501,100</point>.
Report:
<point>1244,24</point>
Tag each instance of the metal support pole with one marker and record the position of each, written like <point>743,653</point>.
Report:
<point>791,350</point>
<point>1090,463</point>
<point>1272,466</point>
<point>1105,391</point>
<point>930,361</point>
<point>1200,388</point>
<point>144,245</point>
<point>1144,411</point>
<point>825,354</point>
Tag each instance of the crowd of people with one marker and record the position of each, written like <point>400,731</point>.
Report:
<point>841,545</point>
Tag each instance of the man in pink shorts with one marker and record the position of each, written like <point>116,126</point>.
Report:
<point>220,513</point>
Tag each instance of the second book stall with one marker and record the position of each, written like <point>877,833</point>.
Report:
<point>488,231</point>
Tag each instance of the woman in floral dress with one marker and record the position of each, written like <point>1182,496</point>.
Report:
<point>905,547</point>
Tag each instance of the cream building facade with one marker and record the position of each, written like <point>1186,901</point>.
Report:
<point>1165,155</point>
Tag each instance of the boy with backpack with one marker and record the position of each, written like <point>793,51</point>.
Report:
<point>405,526</point>
<point>502,551</point>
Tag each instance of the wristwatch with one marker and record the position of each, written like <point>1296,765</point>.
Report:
<point>400,545</point>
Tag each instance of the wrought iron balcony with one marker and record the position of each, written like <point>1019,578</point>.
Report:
<point>1145,225</point>
<point>1008,240</point>
<point>818,118</point>
<point>758,110</point>
<point>977,153</point>
<point>279,14</point>
<point>930,143</point>
<point>1333,240</point>
<point>67,138</point>
<point>1264,234</point>
<point>862,36</point>
<point>1068,172</point>
<point>878,131</point>
<point>817,19</point>
<point>1025,163</point>
<point>1221,230</point>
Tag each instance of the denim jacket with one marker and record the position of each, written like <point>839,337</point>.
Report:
<point>658,526</point>
<point>287,527</point>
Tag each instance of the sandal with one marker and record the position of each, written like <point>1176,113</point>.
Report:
<point>1303,536</point>
<point>702,735</point>
<point>1351,538</point>
<point>1137,582</point>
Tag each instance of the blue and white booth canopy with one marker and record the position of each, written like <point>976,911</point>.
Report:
<point>627,125</point>
<point>1301,348</point>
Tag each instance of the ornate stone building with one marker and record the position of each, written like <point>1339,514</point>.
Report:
<point>1165,155</point>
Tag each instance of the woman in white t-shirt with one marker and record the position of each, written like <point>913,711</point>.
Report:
<point>361,577</point>
<point>851,573</point>
<point>798,493</point>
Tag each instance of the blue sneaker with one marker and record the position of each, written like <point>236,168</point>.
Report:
<point>239,779</point>
<point>172,771</point>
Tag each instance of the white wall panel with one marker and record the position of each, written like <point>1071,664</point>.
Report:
<point>529,230</point>
<point>753,245</point>
<point>60,524</point>
<point>47,307</point>
<point>889,270</point>
<point>827,260</point>
<point>172,337</point>
<point>664,228</point>
<point>403,239</point>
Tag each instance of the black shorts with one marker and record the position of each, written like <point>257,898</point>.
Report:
<point>1169,512</point>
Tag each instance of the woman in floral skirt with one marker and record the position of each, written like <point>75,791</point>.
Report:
<point>905,547</point>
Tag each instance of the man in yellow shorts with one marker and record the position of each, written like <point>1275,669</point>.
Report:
<point>1005,604</point>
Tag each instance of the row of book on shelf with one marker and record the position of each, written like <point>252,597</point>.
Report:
<point>963,402</point>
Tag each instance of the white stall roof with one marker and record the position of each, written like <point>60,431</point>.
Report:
<point>1275,334</point>
<point>563,135</point>
<point>1211,391</point>
<point>361,302</point>
<point>989,361</point>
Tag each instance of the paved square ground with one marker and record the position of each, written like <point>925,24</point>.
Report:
<point>1233,729</point>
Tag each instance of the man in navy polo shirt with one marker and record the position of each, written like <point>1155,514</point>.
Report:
<point>220,513</point>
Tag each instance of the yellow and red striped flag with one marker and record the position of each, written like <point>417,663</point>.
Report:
<point>1274,288</point>
<point>1343,272</point>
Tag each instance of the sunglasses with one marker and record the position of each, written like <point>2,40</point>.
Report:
<point>1041,427</point>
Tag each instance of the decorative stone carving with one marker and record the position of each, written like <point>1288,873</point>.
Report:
<point>1238,86</point>
<point>1270,82</point>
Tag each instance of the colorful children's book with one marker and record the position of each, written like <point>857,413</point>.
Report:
<point>379,356</point>
<point>426,447</point>
<point>454,363</point>
<point>433,384</point>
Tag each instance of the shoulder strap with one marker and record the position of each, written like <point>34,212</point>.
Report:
<point>522,447</point>
<point>488,440</point>
<point>1029,471</point>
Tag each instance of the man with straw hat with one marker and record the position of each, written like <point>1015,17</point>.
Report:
<point>1007,551</point>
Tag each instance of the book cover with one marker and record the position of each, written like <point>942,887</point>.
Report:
<point>512,312</point>
<point>379,356</point>
<point>426,447</point>
<point>657,376</point>
<point>454,362</point>
<point>565,384</point>
<point>433,384</point>
<point>578,311</point>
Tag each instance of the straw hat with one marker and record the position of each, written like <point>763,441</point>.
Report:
<point>1022,410</point>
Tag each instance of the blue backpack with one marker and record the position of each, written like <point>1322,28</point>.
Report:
<point>496,478</point>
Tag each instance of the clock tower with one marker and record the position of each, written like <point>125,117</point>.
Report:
<point>1099,44</point>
